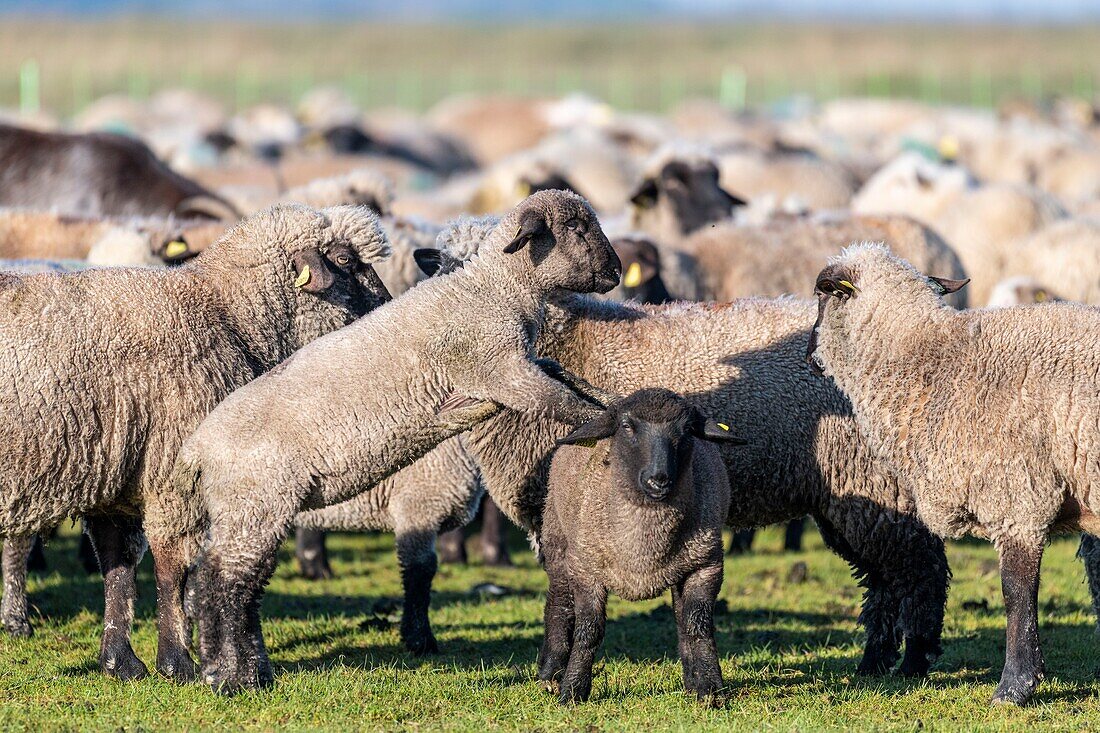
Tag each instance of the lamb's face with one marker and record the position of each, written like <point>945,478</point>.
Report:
<point>684,196</point>
<point>641,263</point>
<point>652,434</point>
<point>568,248</point>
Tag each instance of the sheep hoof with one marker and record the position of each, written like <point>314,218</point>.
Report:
<point>178,667</point>
<point>550,686</point>
<point>422,645</point>
<point>315,570</point>
<point>1015,690</point>
<point>713,699</point>
<point>124,666</point>
<point>20,629</point>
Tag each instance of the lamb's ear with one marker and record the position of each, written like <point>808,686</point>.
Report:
<point>645,195</point>
<point>599,427</point>
<point>640,260</point>
<point>834,280</point>
<point>531,224</point>
<point>948,286</point>
<point>733,199</point>
<point>311,274</point>
<point>719,432</point>
<point>435,262</point>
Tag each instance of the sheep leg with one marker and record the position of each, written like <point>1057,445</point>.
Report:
<point>693,601</point>
<point>13,606</point>
<point>741,542</point>
<point>792,537</point>
<point>590,616</point>
<point>494,535</point>
<point>1020,585</point>
<point>119,544</point>
<point>1089,552</point>
<point>416,556</point>
<point>86,553</point>
<point>173,630</point>
<point>452,546</point>
<point>312,555</point>
<point>36,561</point>
<point>558,617</point>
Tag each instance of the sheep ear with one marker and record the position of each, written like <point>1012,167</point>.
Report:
<point>645,196</point>
<point>948,286</point>
<point>311,273</point>
<point>734,200</point>
<point>435,262</point>
<point>714,430</point>
<point>600,427</point>
<point>640,261</point>
<point>531,224</point>
<point>210,207</point>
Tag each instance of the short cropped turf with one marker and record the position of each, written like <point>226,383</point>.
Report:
<point>789,649</point>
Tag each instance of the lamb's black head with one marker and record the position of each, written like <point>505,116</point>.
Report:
<point>691,192</point>
<point>652,433</point>
<point>559,231</point>
<point>641,280</point>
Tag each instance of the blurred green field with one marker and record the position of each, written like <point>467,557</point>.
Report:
<point>630,64</point>
<point>788,649</point>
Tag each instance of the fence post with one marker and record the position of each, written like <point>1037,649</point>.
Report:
<point>30,92</point>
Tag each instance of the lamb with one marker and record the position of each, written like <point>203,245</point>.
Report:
<point>97,175</point>
<point>738,360</point>
<point>928,383</point>
<point>636,500</point>
<point>348,411</point>
<point>680,193</point>
<point>734,261</point>
<point>99,403</point>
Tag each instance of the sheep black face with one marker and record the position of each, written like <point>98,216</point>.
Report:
<point>564,239</point>
<point>337,275</point>
<point>652,433</point>
<point>641,264</point>
<point>690,191</point>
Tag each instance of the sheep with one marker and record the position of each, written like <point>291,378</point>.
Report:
<point>928,384</point>
<point>96,175</point>
<point>635,504</point>
<point>1020,290</point>
<point>348,411</point>
<point>734,261</point>
<point>788,176</point>
<point>979,221</point>
<point>100,402</point>
<point>738,360</point>
<point>678,194</point>
<point>362,186</point>
<point>1067,252</point>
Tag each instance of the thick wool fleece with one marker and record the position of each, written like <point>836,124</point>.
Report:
<point>741,361</point>
<point>108,370</point>
<point>357,406</point>
<point>781,257</point>
<point>988,417</point>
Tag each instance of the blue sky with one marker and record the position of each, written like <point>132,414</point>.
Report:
<point>1012,11</point>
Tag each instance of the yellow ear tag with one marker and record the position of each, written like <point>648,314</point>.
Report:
<point>847,284</point>
<point>523,190</point>
<point>303,277</point>
<point>948,147</point>
<point>176,248</point>
<point>633,276</point>
<point>590,443</point>
<point>1040,296</point>
<point>723,426</point>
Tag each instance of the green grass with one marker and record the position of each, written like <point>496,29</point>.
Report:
<point>788,653</point>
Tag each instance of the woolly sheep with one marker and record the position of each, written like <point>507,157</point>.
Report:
<point>96,175</point>
<point>800,177</point>
<point>102,401</point>
<point>348,411</point>
<point>737,360</point>
<point>1020,290</point>
<point>734,261</point>
<point>636,500</point>
<point>929,383</point>
<point>978,221</point>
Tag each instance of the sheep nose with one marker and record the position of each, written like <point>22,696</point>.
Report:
<point>656,485</point>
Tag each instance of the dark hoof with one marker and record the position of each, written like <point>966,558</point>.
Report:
<point>422,644</point>
<point>875,667</point>
<point>228,685</point>
<point>123,666</point>
<point>19,629</point>
<point>919,657</point>
<point>178,667</point>
<point>1015,690</point>
<point>315,569</point>
<point>715,698</point>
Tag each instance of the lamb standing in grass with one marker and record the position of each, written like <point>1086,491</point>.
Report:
<point>989,417</point>
<point>106,371</point>
<point>353,408</point>
<point>636,503</point>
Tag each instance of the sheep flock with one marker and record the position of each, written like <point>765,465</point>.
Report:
<point>622,332</point>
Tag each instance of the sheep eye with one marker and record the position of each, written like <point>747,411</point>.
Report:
<point>343,260</point>
<point>627,426</point>
<point>575,224</point>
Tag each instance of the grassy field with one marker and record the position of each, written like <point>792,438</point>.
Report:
<point>630,64</point>
<point>788,648</point>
